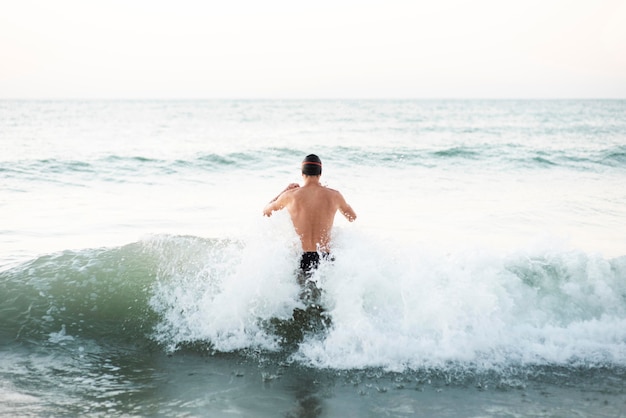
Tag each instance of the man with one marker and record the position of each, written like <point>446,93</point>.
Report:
<point>312,208</point>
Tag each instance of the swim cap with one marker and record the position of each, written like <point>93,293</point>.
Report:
<point>312,165</point>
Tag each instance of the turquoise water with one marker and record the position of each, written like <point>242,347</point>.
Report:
<point>485,275</point>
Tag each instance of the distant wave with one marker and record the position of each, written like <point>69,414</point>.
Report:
<point>120,168</point>
<point>615,157</point>
<point>457,152</point>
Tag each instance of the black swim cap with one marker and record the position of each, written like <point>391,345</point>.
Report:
<point>312,165</point>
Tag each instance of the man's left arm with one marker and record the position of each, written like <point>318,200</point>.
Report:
<point>345,209</point>
<point>278,203</point>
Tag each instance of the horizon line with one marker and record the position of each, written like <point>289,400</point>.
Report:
<point>303,98</point>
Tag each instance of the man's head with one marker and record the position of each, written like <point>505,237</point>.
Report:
<point>312,165</point>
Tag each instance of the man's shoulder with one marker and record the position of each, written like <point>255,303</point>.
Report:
<point>333,194</point>
<point>334,191</point>
<point>288,195</point>
<point>321,192</point>
<point>331,190</point>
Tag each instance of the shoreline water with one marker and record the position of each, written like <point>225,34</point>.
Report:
<point>192,384</point>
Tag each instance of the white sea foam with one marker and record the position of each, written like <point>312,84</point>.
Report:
<point>406,306</point>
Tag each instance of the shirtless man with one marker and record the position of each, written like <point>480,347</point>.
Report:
<point>312,208</point>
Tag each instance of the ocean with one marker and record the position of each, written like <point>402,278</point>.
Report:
<point>485,275</point>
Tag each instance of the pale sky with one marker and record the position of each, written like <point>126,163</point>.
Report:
<point>315,49</point>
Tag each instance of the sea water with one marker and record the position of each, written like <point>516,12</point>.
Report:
<point>485,274</point>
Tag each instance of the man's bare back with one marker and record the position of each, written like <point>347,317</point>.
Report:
<point>312,208</point>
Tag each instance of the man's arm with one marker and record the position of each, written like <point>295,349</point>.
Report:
<point>278,203</point>
<point>345,209</point>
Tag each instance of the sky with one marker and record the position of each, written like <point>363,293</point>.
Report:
<point>247,49</point>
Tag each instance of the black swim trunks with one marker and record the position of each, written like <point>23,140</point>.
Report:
<point>311,260</point>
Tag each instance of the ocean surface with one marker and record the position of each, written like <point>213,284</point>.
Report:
<point>485,275</point>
